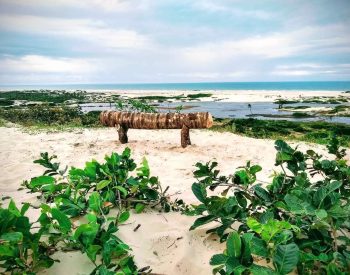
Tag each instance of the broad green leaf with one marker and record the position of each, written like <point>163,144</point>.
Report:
<point>86,233</point>
<point>12,237</point>
<point>24,208</point>
<point>298,206</point>
<point>321,214</point>
<point>63,220</point>
<point>39,181</point>
<point>13,209</point>
<point>45,208</point>
<point>218,259</point>
<point>324,191</point>
<point>199,191</point>
<point>286,258</point>
<point>126,152</point>
<point>95,201</point>
<point>332,269</point>
<point>254,225</point>
<point>90,169</point>
<point>151,194</point>
<point>139,207</point>
<point>102,184</point>
<point>202,220</point>
<point>262,193</point>
<point>144,170</point>
<point>122,190</point>
<point>261,270</point>
<point>92,250</point>
<point>255,169</point>
<point>92,218</point>
<point>241,199</point>
<point>124,217</point>
<point>241,177</point>
<point>231,264</point>
<point>7,250</point>
<point>258,247</point>
<point>233,245</point>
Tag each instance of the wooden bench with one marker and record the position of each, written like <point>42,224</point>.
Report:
<point>133,120</point>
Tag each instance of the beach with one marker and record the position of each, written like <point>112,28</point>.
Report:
<point>232,95</point>
<point>163,241</point>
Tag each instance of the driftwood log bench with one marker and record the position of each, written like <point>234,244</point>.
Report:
<point>132,120</point>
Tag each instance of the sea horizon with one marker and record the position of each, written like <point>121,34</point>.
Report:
<point>195,86</point>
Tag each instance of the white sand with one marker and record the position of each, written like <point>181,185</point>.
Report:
<point>155,243</point>
<point>234,95</point>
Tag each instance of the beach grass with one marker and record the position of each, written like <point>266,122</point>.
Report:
<point>316,132</point>
<point>45,115</point>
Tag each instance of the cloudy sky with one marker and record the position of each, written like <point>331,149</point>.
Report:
<point>146,41</point>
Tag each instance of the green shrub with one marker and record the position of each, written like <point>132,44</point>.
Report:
<point>44,114</point>
<point>296,223</point>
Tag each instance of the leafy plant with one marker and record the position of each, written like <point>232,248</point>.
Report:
<point>132,105</point>
<point>90,192</point>
<point>111,179</point>
<point>22,248</point>
<point>300,221</point>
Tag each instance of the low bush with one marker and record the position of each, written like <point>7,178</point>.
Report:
<point>90,192</point>
<point>313,131</point>
<point>43,95</point>
<point>300,222</point>
<point>47,115</point>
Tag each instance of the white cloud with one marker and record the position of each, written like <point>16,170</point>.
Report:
<point>96,33</point>
<point>308,69</point>
<point>230,8</point>
<point>43,64</point>
<point>36,69</point>
<point>303,42</point>
<point>103,5</point>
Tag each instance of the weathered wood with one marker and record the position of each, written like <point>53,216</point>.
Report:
<point>156,120</point>
<point>126,120</point>
<point>123,134</point>
<point>185,136</point>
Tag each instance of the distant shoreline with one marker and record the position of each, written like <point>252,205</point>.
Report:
<point>197,86</point>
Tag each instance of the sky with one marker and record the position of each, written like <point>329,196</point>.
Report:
<point>162,41</point>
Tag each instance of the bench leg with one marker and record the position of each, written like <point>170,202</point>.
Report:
<point>185,136</point>
<point>123,133</point>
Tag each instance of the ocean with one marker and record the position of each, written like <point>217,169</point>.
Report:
<point>199,86</point>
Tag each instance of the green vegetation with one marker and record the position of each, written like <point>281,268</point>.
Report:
<point>301,115</point>
<point>316,131</point>
<point>296,223</point>
<point>43,95</point>
<point>297,107</point>
<point>199,95</point>
<point>92,192</point>
<point>6,102</point>
<point>316,99</point>
<point>133,105</point>
<point>45,115</point>
<point>160,98</point>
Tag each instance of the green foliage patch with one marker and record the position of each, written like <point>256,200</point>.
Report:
<point>46,115</point>
<point>315,131</point>
<point>43,95</point>
<point>90,192</point>
<point>299,222</point>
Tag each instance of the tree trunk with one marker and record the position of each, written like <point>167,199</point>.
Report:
<point>123,133</point>
<point>156,120</point>
<point>185,136</point>
<point>185,122</point>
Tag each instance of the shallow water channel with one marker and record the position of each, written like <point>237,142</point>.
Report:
<point>259,110</point>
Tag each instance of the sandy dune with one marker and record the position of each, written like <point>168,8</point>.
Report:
<point>163,240</point>
<point>235,95</point>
